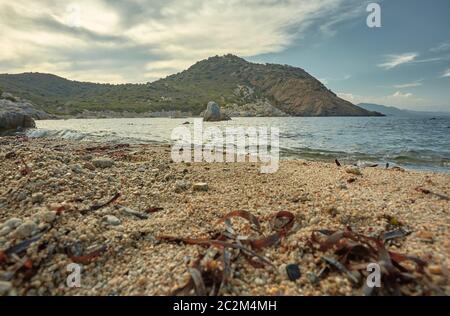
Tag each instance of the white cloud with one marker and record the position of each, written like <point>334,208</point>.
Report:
<point>156,37</point>
<point>408,85</point>
<point>441,47</point>
<point>446,74</point>
<point>399,94</point>
<point>393,61</point>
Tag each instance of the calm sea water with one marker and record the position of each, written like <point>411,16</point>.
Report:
<point>418,143</point>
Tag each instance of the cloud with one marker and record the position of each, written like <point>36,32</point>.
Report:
<point>441,47</point>
<point>393,61</point>
<point>141,40</point>
<point>399,94</point>
<point>446,74</point>
<point>408,85</point>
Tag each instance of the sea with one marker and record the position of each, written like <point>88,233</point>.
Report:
<point>421,143</point>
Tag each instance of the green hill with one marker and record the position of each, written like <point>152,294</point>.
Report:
<point>226,80</point>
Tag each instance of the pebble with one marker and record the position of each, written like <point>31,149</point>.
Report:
<point>112,220</point>
<point>89,166</point>
<point>435,269</point>
<point>182,185</point>
<point>76,169</point>
<point>293,272</point>
<point>259,281</point>
<point>353,170</point>
<point>13,222</point>
<point>103,163</point>
<point>26,229</point>
<point>48,216</point>
<point>5,287</point>
<point>37,198</point>
<point>5,231</point>
<point>200,186</point>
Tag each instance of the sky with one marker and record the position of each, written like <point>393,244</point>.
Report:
<point>403,63</point>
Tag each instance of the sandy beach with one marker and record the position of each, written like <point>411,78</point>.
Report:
<point>106,207</point>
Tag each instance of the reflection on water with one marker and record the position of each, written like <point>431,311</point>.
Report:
<point>412,142</point>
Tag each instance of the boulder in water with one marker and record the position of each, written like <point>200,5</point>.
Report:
<point>213,113</point>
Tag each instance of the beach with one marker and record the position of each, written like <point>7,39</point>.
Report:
<point>110,208</point>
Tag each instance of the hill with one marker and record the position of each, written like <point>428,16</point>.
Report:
<point>393,111</point>
<point>229,80</point>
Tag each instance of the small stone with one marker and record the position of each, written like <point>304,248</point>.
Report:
<point>26,229</point>
<point>5,231</point>
<point>425,236</point>
<point>22,196</point>
<point>293,272</point>
<point>200,186</point>
<point>37,198</point>
<point>182,185</point>
<point>259,281</point>
<point>5,287</point>
<point>312,277</point>
<point>112,220</point>
<point>13,222</point>
<point>353,170</point>
<point>103,163</point>
<point>89,166</point>
<point>76,169</point>
<point>332,211</point>
<point>435,269</point>
<point>48,216</point>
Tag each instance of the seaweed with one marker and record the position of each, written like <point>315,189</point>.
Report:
<point>208,275</point>
<point>353,253</point>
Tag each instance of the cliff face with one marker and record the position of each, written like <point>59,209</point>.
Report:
<point>245,88</point>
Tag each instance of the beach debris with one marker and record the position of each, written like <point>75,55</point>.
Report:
<point>337,163</point>
<point>352,252</point>
<point>20,247</point>
<point>96,207</point>
<point>293,272</point>
<point>89,257</point>
<point>428,192</point>
<point>351,180</point>
<point>353,170</point>
<point>132,212</point>
<point>200,186</point>
<point>392,220</point>
<point>153,209</point>
<point>209,274</point>
<point>26,169</point>
<point>394,234</point>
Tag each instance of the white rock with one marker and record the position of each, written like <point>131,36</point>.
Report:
<point>200,186</point>
<point>112,220</point>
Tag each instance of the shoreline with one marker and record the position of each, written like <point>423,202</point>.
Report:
<point>56,186</point>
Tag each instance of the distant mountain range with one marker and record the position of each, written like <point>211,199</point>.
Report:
<point>393,111</point>
<point>229,80</point>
